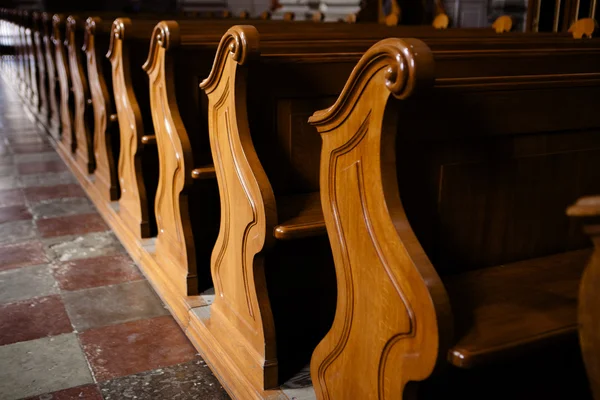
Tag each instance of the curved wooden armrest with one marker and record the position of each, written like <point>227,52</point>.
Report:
<point>588,206</point>
<point>148,139</point>
<point>207,172</point>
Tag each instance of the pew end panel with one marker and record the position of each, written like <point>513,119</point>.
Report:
<point>400,286</point>
<point>105,127</point>
<point>43,109</point>
<point>175,247</point>
<point>83,111</point>
<point>483,202</point>
<point>587,209</point>
<point>53,83</point>
<point>138,164</point>
<point>247,207</point>
<point>66,106</point>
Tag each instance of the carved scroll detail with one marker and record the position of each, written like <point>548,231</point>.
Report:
<point>174,244</point>
<point>133,204</point>
<point>392,319</point>
<point>64,78</point>
<point>83,137</point>
<point>105,173</point>
<point>248,209</point>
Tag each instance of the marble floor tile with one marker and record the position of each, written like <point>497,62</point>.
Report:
<point>62,207</point>
<point>109,305</point>
<point>188,381</point>
<point>41,193</point>
<point>49,155</point>
<point>7,170</point>
<point>41,167</point>
<point>42,366</point>
<point>82,246</point>
<point>86,392</point>
<point>9,182</point>
<point>71,225</point>
<point>7,159</point>
<point>22,254</point>
<point>31,148</point>
<point>87,273</point>
<point>11,197</point>
<point>19,231</point>
<point>33,319</point>
<point>47,179</point>
<point>134,347</point>
<point>26,283</point>
<point>25,138</point>
<point>14,213</point>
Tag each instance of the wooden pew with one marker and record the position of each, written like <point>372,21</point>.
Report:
<point>67,104</point>
<point>587,209</point>
<point>275,201</point>
<point>105,127</point>
<point>138,157</point>
<point>287,174</point>
<point>83,113</point>
<point>451,248</point>
<point>33,96</point>
<point>43,110</point>
<point>53,91</point>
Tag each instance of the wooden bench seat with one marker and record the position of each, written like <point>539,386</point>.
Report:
<point>452,229</point>
<point>509,308</point>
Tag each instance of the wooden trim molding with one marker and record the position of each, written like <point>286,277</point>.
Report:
<point>175,250</point>
<point>373,244</point>
<point>104,126</point>
<point>248,211</point>
<point>84,152</point>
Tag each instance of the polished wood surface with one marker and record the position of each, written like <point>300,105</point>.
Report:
<point>138,163</point>
<point>587,209</point>
<point>66,107</point>
<point>106,125</point>
<point>82,102</point>
<point>54,97</point>
<point>428,216</point>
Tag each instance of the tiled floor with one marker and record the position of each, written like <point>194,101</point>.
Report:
<point>77,318</point>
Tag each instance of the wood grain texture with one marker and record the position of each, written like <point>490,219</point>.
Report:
<point>410,296</point>
<point>175,249</point>
<point>105,121</point>
<point>588,210</point>
<point>67,134</point>
<point>83,112</point>
<point>134,203</point>
<point>248,210</point>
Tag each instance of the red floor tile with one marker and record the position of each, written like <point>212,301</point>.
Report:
<point>31,148</point>
<point>33,319</point>
<point>14,213</point>
<point>40,167</point>
<point>125,349</point>
<point>21,254</point>
<point>37,194</point>
<point>11,197</point>
<point>71,225</point>
<point>99,271</point>
<point>86,392</point>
